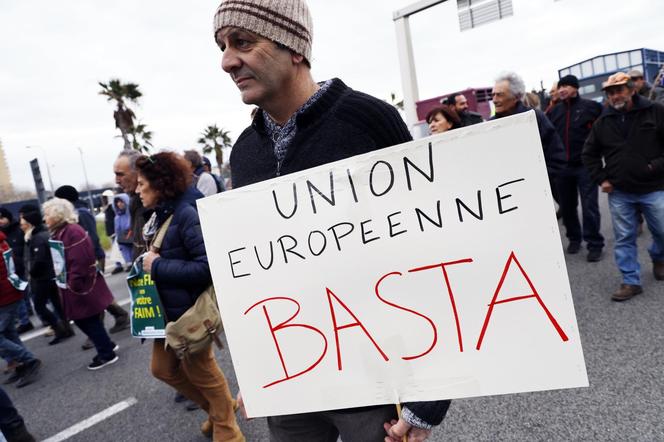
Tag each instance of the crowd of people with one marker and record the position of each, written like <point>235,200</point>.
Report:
<point>616,147</point>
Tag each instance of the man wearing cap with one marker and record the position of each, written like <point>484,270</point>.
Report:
<point>573,118</point>
<point>301,124</point>
<point>625,156</point>
<point>641,86</point>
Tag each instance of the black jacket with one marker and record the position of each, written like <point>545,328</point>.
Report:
<point>37,257</point>
<point>469,118</point>
<point>182,272</point>
<point>15,239</point>
<point>627,148</point>
<point>340,124</point>
<point>87,220</point>
<point>554,155</point>
<point>573,119</point>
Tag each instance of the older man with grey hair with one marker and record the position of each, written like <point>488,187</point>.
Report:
<point>126,177</point>
<point>508,91</point>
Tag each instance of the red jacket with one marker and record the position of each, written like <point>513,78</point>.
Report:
<point>87,293</point>
<point>8,294</point>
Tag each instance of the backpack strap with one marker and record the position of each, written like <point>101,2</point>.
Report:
<point>161,233</point>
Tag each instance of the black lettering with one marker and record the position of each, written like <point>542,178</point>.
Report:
<point>407,162</point>
<point>389,221</point>
<point>500,197</point>
<point>333,229</point>
<point>367,232</point>
<point>479,215</point>
<point>371,184</point>
<point>285,250</point>
<point>259,258</point>
<point>311,249</point>
<point>276,203</point>
<point>230,258</point>
<point>421,214</point>
<point>352,185</point>
<point>330,200</point>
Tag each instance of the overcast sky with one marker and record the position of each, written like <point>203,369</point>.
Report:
<point>54,53</point>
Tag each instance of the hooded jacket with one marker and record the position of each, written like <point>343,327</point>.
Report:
<point>122,222</point>
<point>627,148</point>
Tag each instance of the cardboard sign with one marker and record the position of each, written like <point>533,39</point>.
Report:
<point>59,263</point>
<point>13,278</point>
<point>425,271</point>
<point>147,313</point>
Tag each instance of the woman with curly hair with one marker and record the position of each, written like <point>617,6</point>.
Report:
<point>86,294</point>
<point>181,273</point>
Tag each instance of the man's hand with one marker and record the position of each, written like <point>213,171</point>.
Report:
<point>396,430</point>
<point>606,186</point>
<point>148,259</point>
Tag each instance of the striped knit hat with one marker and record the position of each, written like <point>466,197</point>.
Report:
<point>283,21</point>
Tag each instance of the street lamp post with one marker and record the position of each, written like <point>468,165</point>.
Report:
<point>87,183</point>
<point>48,168</point>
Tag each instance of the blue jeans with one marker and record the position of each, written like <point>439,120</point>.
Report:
<point>93,327</point>
<point>624,212</point>
<point>572,183</point>
<point>11,347</point>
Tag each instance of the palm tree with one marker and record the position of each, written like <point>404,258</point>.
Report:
<point>141,138</point>
<point>123,115</point>
<point>215,139</point>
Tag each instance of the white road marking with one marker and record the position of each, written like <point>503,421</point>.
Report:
<point>92,420</point>
<point>42,331</point>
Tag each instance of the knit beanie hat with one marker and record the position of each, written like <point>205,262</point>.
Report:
<point>68,193</point>
<point>569,80</point>
<point>31,214</point>
<point>283,21</point>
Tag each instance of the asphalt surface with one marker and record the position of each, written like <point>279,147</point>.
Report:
<point>622,343</point>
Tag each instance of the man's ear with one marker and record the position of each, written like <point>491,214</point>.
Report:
<point>296,58</point>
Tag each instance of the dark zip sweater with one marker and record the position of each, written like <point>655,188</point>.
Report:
<point>573,119</point>
<point>342,123</point>
<point>627,148</point>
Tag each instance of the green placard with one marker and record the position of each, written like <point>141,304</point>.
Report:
<point>13,278</point>
<point>59,266</point>
<point>147,313</point>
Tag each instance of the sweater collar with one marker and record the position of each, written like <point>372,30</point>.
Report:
<point>314,111</point>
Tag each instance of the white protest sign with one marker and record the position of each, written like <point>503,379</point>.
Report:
<point>425,271</point>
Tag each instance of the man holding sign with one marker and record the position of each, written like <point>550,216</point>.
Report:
<point>301,124</point>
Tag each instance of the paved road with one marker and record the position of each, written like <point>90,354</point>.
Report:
<point>622,342</point>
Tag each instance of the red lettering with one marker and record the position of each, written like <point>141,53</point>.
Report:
<point>442,266</point>
<point>512,258</point>
<point>433,326</point>
<point>357,323</point>
<point>285,324</point>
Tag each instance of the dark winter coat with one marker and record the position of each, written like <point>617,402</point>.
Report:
<point>109,220</point>
<point>8,294</point>
<point>87,220</point>
<point>86,294</point>
<point>627,148</point>
<point>181,272</point>
<point>573,119</point>
<point>340,124</point>
<point>37,256</point>
<point>16,241</point>
<point>554,155</point>
<point>138,215</point>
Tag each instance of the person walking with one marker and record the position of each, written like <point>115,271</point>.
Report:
<point>86,294</point>
<point>181,273</point>
<point>39,268</point>
<point>624,155</point>
<point>122,227</point>
<point>11,348</point>
<point>573,118</point>
<point>87,221</point>
<point>300,124</point>
<point>107,197</point>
